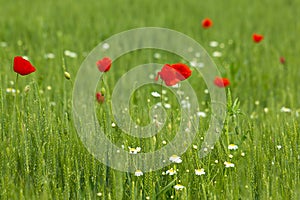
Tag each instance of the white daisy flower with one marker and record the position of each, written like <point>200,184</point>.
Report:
<point>201,114</point>
<point>217,54</point>
<point>199,172</point>
<point>233,147</point>
<point>25,57</point>
<point>284,109</point>
<point>213,44</point>
<point>178,187</point>
<point>134,150</point>
<point>197,54</point>
<point>155,94</point>
<point>3,44</point>
<point>279,147</point>
<point>175,159</point>
<point>171,172</point>
<point>193,63</point>
<point>266,110</point>
<point>70,54</point>
<point>49,56</point>
<point>167,105</point>
<point>157,55</point>
<point>99,194</point>
<point>228,164</point>
<point>105,46</point>
<point>138,173</point>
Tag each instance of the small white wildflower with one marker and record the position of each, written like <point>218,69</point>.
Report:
<point>8,90</point>
<point>205,149</point>
<point>213,43</point>
<point>49,87</point>
<point>151,76</point>
<point>176,85</point>
<point>105,46</point>
<point>185,104</point>
<point>197,54</point>
<point>171,172</point>
<point>199,172</point>
<point>155,94</point>
<point>195,146</point>
<point>279,147</point>
<point>134,150</point>
<point>157,55</point>
<point>147,197</point>
<point>217,54</point>
<point>164,142</point>
<point>206,91</point>
<point>179,187</point>
<point>25,57</point>
<point>99,194</point>
<point>167,105</point>
<point>216,161</point>
<point>49,56</point>
<point>3,44</point>
<point>193,63</point>
<point>201,114</point>
<point>138,173</point>
<point>284,109</point>
<point>232,147</point>
<point>266,110</point>
<point>175,159</point>
<point>200,64</point>
<point>230,156</point>
<point>243,154</point>
<point>113,125</point>
<point>256,102</point>
<point>70,54</point>
<point>228,164</point>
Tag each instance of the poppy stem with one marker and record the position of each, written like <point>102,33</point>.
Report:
<point>161,93</point>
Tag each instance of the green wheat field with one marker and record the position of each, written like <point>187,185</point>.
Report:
<point>42,156</point>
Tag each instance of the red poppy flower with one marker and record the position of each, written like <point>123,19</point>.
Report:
<point>282,60</point>
<point>206,23</point>
<point>104,64</point>
<point>99,97</point>
<point>172,74</point>
<point>221,82</point>
<point>22,66</point>
<point>257,37</point>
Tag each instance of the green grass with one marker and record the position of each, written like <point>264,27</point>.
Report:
<point>42,156</point>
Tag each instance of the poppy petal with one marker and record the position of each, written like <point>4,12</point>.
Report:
<point>22,66</point>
